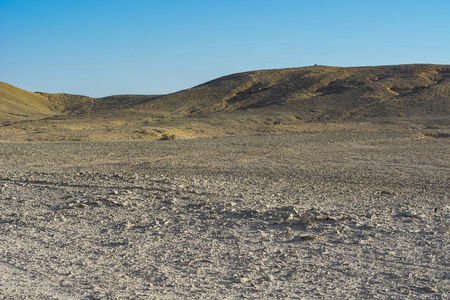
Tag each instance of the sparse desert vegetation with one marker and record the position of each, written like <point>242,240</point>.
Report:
<point>168,137</point>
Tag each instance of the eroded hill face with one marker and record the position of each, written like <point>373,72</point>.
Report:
<point>317,97</point>
<point>321,93</point>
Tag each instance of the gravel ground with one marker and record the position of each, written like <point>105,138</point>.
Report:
<point>342,215</point>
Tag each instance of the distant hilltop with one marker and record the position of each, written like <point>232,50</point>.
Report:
<point>310,94</point>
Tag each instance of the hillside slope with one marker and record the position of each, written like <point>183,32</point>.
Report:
<point>18,104</point>
<point>418,93</point>
<point>321,93</point>
<point>78,104</point>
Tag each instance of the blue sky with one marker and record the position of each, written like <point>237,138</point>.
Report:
<point>106,47</point>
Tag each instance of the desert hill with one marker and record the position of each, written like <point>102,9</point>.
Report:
<point>78,104</point>
<point>321,93</point>
<point>18,104</point>
<point>406,96</point>
<point>311,93</point>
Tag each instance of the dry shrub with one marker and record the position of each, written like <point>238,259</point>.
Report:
<point>147,132</point>
<point>168,137</point>
<point>437,134</point>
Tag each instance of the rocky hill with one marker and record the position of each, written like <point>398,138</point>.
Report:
<point>310,94</point>
<point>321,93</point>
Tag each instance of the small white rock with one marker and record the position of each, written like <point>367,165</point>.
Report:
<point>410,214</point>
<point>241,280</point>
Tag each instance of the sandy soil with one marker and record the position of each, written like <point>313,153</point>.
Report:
<point>293,216</point>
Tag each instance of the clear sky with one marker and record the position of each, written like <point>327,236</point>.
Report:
<point>106,47</point>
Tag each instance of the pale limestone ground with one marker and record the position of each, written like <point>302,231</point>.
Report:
<point>294,216</point>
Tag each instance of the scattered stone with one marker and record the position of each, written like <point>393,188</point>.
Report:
<point>201,261</point>
<point>369,226</point>
<point>307,237</point>
<point>370,216</point>
<point>290,220</point>
<point>171,201</point>
<point>386,193</point>
<point>128,225</point>
<point>241,280</point>
<point>443,229</point>
<point>94,202</point>
<point>305,220</point>
<point>428,289</point>
<point>365,240</point>
<point>268,277</point>
<point>410,214</point>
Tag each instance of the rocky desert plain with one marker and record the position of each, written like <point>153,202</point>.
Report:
<point>305,183</point>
